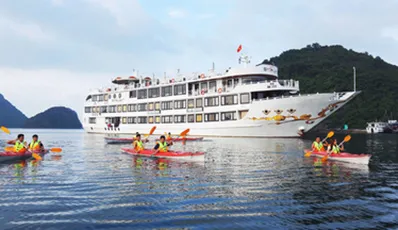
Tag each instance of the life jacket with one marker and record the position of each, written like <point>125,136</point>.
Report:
<point>139,145</point>
<point>317,146</point>
<point>335,149</point>
<point>34,146</point>
<point>163,147</point>
<point>19,147</point>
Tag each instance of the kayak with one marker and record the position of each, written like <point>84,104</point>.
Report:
<point>12,156</point>
<point>189,156</point>
<point>344,157</point>
<point>118,140</point>
<point>187,139</point>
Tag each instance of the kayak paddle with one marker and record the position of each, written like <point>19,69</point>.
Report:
<point>150,132</point>
<point>346,139</point>
<point>184,133</point>
<point>4,129</point>
<point>330,134</point>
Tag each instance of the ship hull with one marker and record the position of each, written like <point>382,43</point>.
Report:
<point>279,117</point>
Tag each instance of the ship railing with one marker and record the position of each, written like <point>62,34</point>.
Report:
<point>276,83</point>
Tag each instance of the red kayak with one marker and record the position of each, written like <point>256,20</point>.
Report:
<point>187,139</point>
<point>190,156</point>
<point>12,156</point>
<point>344,157</point>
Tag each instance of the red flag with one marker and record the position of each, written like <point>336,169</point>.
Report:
<point>239,48</point>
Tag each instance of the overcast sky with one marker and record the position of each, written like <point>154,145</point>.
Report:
<point>53,51</point>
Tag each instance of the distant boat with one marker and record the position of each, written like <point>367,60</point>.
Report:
<point>378,127</point>
<point>393,125</point>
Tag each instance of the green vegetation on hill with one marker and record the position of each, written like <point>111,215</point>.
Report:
<point>10,116</point>
<point>330,68</point>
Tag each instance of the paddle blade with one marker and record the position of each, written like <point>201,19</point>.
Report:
<point>308,154</point>
<point>9,149</point>
<point>152,130</point>
<point>324,159</point>
<point>330,134</point>
<point>4,129</point>
<point>184,133</point>
<point>347,138</point>
<point>36,156</point>
<point>56,150</point>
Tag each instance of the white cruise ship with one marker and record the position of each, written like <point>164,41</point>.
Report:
<point>248,101</point>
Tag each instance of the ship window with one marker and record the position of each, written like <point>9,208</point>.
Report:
<point>124,108</point>
<point>167,105</point>
<point>133,94</point>
<point>211,101</point>
<point>103,109</point>
<point>119,108</point>
<point>141,107</point>
<point>157,119</point>
<point>112,109</point>
<point>131,120</point>
<point>106,96</point>
<point>157,106</point>
<point>179,104</point>
<point>154,92</point>
<point>213,86</point>
<point>150,106</point>
<point>87,109</point>
<point>132,108</point>
<point>191,118</point>
<point>244,98</point>
<point>92,120</point>
<point>203,86</point>
<point>198,117</point>
<point>120,95</point>
<point>142,93</point>
<point>166,91</point>
<point>141,120</point>
<point>94,97</point>
<point>179,118</point>
<point>211,117</point>
<point>124,120</point>
<point>180,89</point>
<point>199,103</point>
<point>229,100</point>
<point>228,116</point>
<point>167,119</point>
<point>114,96</point>
<point>191,103</point>
<point>101,98</point>
<point>150,120</point>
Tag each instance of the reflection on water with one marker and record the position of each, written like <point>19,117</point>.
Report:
<point>242,184</point>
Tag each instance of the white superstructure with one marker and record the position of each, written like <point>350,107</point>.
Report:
<point>249,101</point>
<point>377,127</point>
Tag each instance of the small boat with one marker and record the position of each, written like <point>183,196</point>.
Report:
<point>344,157</point>
<point>118,140</point>
<point>12,156</point>
<point>186,139</point>
<point>188,156</point>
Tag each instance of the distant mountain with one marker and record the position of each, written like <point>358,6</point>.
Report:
<point>55,118</point>
<point>330,69</point>
<point>10,116</point>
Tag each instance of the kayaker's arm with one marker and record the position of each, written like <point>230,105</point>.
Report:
<point>12,142</point>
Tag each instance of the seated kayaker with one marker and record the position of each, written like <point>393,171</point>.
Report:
<point>168,137</point>
<point>138,144</point>
<point>317,145</point>
<point>19,144</point>
<point>36,145</point>
<point>162,145</point>
<point>334,147</point>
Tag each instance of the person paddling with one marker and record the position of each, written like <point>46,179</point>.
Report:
<point>317,145</point>
<point>162,145</point>
<point>334,147</point>
<point>138,143</point>
<point>20,145</point>
<point>36,145</point>
<point>168,137</point>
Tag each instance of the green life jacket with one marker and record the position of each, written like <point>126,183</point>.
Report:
<point>335,149</point>
<point>318,146</point>
<point>19,146</point>
<point>163,147</point>
<point>34,145</point>
<point>140,145</point>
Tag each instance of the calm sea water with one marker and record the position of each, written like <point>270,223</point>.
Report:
<point>243,184</point>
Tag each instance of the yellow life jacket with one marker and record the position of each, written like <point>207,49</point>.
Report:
<point>336,149</point>
<point>34,146</point>
<point>19,147</point>
<point>163,147</point>
<point>139,145</point>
